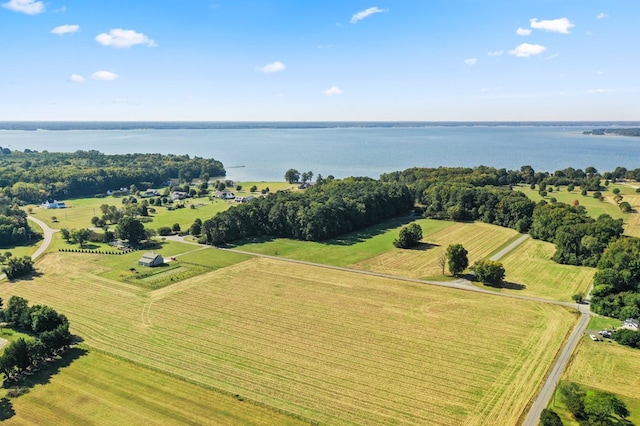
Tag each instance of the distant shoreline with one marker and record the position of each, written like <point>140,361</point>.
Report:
<point>248,125</point>
<point>633,132</point>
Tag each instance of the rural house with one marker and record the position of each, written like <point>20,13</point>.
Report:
<point>54,205</point>
<point>631,324</point>
<point>151,260</point>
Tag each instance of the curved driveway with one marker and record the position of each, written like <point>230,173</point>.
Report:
<point>47,237</point>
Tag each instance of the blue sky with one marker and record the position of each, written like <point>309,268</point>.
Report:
<point>264,60</point>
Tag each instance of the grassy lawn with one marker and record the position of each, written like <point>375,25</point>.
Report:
<point>87,387</point>
<point>530,270</point>
<point>79,212</point>
<point>480,240</point>
<point>346,250</point>
<point>602,323</point>
<point>191,260</point>
<point>309,340</point>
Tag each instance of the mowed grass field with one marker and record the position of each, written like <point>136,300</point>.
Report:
<point>609,367</point>
<point>97,389</point>
<point>530,265</point>
<point>336,347</point>
<point>480,240</point>
<point>346,250</point>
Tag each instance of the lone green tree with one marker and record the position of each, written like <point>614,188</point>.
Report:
<point>130,229</point>
<point>457,259</point>
<point>489,272</point>
<point>409,236</point>
<point>292,175</point>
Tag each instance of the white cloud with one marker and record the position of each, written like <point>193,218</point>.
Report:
<point>525,50</point>
<point>104,75</point>
<point>120,38</point>
<point>602,16</point>
<point>273,67</point>
<point>561,25</point>
<point>334,90</point>
<point>65,29</point>
<point>496,53</point>
<point>597,91</point>
<point>471,61</point>
<point>523,31</point>
<point>325,46</point>
<point>366,13</point>
<point>30,7</point>
<point>76,78</point>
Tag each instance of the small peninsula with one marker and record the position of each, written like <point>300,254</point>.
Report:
<point>634,131</point>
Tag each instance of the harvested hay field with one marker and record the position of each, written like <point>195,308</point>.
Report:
<point>606,366</point>
<point>480,240</point>
<point>530,265</point>
<point>98,389</point>
<point>332,346</point>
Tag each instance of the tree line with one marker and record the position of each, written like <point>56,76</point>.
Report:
<point>322,211</point>
<point>49,335</point>
<point>32,177</point>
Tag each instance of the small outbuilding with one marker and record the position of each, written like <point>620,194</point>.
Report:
<point>151,260</point>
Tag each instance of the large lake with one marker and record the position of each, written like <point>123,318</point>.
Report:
<point>266,153</point>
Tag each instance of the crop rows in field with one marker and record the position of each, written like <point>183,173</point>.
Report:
<point>530,264</point>
<point>334,346</point>
<point>479,239</point>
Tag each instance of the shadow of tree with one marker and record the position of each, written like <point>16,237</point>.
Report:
<point>46,372</point>
<point>6,409</point>
<point>424,246</point>
<point>507,285</point>
<point>370,232</point>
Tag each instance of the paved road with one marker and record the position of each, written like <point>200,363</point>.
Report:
<point>543,398</point>
<point>48,237</point>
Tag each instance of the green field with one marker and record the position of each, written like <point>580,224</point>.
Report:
<point>79,212</point>
<point>87,388</point>
<point>602,323</point>
<point>346,250</point>
<point>333,346</point>
<point>530,265</point>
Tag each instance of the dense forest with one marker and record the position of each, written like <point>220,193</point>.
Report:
<point>322,211</point>
<point>33,177</point>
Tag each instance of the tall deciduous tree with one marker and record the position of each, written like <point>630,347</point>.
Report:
<point>457,258</point>
<point>292,175</point>
<point>130,229</point>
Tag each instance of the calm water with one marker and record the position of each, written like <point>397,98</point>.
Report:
<point>267,153</point>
